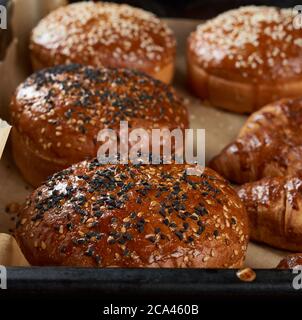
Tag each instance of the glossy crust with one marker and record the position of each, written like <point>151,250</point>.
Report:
<point>133,216</point>
<point>274,207</point>
<point>58,112</point>
<point>291,261</point>
<point>268,145</point>
<point>104,34</point>
<point>246,58</point>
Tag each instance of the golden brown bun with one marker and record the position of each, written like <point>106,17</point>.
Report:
<point>268,145</point>
<point>291,261</point>
<point>274,209</point>
<point>246,58</point>
<point>94,215</point>
<point>58,112</point>
<point>104,34</point>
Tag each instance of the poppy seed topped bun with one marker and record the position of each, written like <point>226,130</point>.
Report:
<point>94,215</point>
<point>246,58</point>
<point>58,112</point>
<point>104,35</point>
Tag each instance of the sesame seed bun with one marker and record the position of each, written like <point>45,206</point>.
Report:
<point>91,215</point>
<point>58,112</point>
<point>246,58</point>
<point>104,34</point>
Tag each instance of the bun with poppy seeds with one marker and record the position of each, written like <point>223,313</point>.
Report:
<point>105,35</point>
<point>94,215</point>
<point>58,112</point>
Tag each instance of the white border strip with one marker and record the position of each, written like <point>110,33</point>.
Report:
<point>4,133</point>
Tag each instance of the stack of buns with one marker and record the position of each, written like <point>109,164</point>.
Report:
<point>99,63</point>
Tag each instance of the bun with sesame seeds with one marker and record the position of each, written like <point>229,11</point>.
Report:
<point>246,58</point>
<point>105,35</point>
<point>58,112</point>
<point>94,215</point>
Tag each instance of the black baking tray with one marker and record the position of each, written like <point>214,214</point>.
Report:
<point>169,284</point>
<point>166,284</point>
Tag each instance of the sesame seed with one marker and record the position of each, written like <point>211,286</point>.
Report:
<point>244,30</point>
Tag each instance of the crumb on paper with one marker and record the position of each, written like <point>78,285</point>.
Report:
<point>12,208</point>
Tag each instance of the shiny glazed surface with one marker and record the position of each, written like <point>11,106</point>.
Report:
<point>133,216</point>
<point>103,34</point>
<point>251,44</point>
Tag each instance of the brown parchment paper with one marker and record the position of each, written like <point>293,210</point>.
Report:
<point>221,127</point>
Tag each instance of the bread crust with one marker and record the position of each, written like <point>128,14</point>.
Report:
<point>291,261</point>
<point>92,215</point>
<point>241,61</point>
<point>104,35</point>
<point>269,144</point>
<point>58,112</point>
<point>274,209</point>
<point>266,157</point>
<point>34,165</point>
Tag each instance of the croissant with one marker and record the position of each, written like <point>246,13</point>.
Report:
<point>268,145</point>
<point>291,261</point>
<point>274,207</point>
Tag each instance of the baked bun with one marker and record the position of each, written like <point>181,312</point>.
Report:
<point>104,34</point>
<point>274,207</point>
<point>290,261</point>
<point>93,215</point>
<point>268,145</point>
<point>246,58</point>
<point>58,112</point>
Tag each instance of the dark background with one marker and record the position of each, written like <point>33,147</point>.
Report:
<point>200,9</point>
